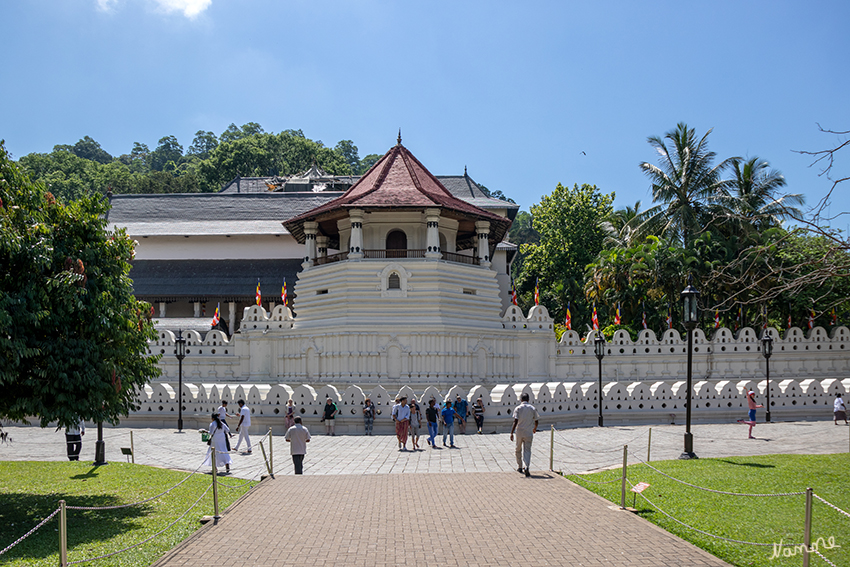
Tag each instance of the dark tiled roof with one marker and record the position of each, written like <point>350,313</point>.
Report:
<point>213,206</point>
<point>463,187</point>
<point>205,280</point>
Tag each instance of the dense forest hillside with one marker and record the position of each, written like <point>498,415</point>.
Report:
<point>72,171</point>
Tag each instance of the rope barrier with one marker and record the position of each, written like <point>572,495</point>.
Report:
<point>117,507</point>
<point>29,533</point>
<point>145,540</point>
<point>716,491</point>
<point>705,532</point>
<point>818,553</point>
<point>831,505</point>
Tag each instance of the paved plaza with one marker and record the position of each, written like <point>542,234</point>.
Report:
<point>364,502</point>
<point>575,450</point>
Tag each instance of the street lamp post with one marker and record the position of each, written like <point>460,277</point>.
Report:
<point>690,314</point>
<point>767,350</point>
<point>599,347</point>
<point>180,351</point>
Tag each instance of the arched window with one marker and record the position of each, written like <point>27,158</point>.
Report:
<point>393,282</point>
<point>397,244</point>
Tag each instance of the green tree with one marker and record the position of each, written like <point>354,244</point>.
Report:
<point>753,201</point>
<point>686,186</point>
<point>568,222</point>
<point>203,144</point>
<point>367,162</point>
<point>348,151</point>
<point>73,339</point>
<point>167,150</point>
<point>87,148</point>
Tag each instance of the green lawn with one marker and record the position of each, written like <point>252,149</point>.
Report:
<point>763,520</point>
<point>30,491</point>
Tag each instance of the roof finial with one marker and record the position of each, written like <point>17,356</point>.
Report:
<point>464,171</point>
<point>399,136</point>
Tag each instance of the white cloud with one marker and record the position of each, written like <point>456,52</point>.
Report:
<point>189,8</point>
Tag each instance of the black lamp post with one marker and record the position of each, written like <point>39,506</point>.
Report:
<point>599,348</point>
<point>690,316</point>
<point>180,351</point>
<point>767,350</point>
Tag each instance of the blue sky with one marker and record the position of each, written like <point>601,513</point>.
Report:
<point>525,95</point>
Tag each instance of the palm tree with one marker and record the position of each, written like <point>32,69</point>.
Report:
<point>619,227</point>
<point>753,200</point>
<point>685,185</point>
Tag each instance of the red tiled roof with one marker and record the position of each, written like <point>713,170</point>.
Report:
<point>397,180</point>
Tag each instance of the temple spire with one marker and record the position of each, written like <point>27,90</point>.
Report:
<point>399,136</point>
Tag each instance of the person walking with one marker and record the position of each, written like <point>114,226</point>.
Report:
<point>243,425</point>
<point>462,411</point>
<point>290,414</point>
<point>751,416</point>
<point>431,416</point>
<point>478,413</point>
<point>329,415</point>
<point>368,415</point>
<point>401,417</point>
<point>223,415</point>
<point>839,409</point>
<point>525,426</point>
<point>415,423</point>
<point>449,424</point>
<point>298,436</point>
<point>74,439</point>
<point>219,432</point>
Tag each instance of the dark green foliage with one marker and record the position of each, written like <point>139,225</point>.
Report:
<point>73,339</point>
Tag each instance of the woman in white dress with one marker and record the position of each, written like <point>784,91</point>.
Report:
<point>218,441</point>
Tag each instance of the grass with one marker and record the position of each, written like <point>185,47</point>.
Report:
<point>764,520</point>
<point>30,491</point>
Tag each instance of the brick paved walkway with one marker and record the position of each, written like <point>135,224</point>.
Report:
<point>388,520</point>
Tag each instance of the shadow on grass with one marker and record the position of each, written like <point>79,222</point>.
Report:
<point>20,512</point>
<point>754,465</point>
<point>85,476</point>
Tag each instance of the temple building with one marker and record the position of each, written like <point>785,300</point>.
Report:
<point>197,251</point>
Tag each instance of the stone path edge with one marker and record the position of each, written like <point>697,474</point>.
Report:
<point>264,482</point>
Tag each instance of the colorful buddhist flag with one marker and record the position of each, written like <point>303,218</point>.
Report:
<point>717,318</point>
<point>811,319</point>
<point>617,317</point>
<point>216,316</point>
<point>669,315</point>
<point>259,295</point>
<point>513,293</point>
<point>834,317</point>
<point>789,320</point>
<point>739,317</point>
<point>595,318</point>
<point>643,317</point>
<point>283,292</point>
<point>568,318</point>
<point>764,317</point>
<point>537,291</point>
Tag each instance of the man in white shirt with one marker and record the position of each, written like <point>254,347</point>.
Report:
<point>74,439</point>
<point>401,417</point>
<point>243,425</point>
<point>525,426</point>
<point>839,410</point>
<point>298,436</point>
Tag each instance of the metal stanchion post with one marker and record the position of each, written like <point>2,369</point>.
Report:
<point>623,486</point>
<point>552,449</point>
<point>271,454</point>
<point>648,444</point>
<point>214,456</point>
<point>265,459</point>
<point>132,449</point>
<point>807,530</point>
<point>63,535</point>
